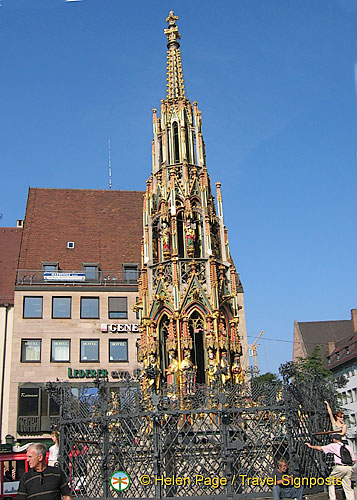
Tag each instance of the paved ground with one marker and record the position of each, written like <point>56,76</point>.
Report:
<point>316,496</point>
<point>319,496</point>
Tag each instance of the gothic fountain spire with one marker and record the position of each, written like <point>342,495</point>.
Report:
<point>191,302</point>
<point>175,82</point>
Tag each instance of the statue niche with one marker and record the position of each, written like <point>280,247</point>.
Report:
<point>165,235</point>
<point>196,329</point>
<point>163,334</point>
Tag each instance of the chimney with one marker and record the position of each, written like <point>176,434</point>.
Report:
<point>20,223</point>
<point>354,319</point>
<point>330,347</point>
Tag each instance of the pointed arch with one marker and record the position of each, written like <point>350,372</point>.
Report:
<point>187,142</point>
<point>176,142</point>
<point>196,326</point>
<point>195,202</point>
<point>155,241</point>
<point>180,234</point>
<point>163,326</point>
<point>196,307</point>
<point>162,311</point>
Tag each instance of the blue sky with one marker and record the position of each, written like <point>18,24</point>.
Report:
<point>275,80</point>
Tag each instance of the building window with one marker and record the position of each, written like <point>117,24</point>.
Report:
<point>117,307</point>
<point>118,350</point>
<point>91,271</point>
<point>89,307</point>
<point>30,350</point>
<point>60,350</point>
<point>34,401</point>
<point>50,267</point>
<point>61,307</point>
<point>89,350</point>
<point>32,307</point>
<point>29,398</point>
<point>130,273</point>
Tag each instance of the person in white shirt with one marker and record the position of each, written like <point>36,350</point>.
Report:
<point>340,470</point>
<point>54,449</point>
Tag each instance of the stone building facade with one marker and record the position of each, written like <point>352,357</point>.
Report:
<point>76,286</point>
<point>10,238</point>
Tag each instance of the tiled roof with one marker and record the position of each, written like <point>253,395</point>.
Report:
<point>10,238</point>
<point>344,352</point>
<point>321,332</point>
<point>105,226</point>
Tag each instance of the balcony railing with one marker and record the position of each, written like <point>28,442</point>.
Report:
<point>35,425</point>
<point>26,277</point>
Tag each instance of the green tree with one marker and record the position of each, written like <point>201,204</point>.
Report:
<point>313,365</point>
<point>269,377</point>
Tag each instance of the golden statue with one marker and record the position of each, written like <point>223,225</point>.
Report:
<point>212,369</point>
<point>172,373</point>
<point>151,374</point>
<point>237,371</point>
<point>225,375</point>
<point>188,371</point>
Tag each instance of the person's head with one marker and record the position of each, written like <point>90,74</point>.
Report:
<point>336,438</point>
<point>55,436</point>
<point>282,465</point>
<point>36,455</point>
<point>338,415</point>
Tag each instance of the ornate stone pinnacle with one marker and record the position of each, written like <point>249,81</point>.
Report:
<point>176,86</point>
<point>172,31</point>
<point>172,18</point>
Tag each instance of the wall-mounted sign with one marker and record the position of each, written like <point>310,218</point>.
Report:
<point>90,373</point>
<point>119,328</point>
<point>58,276</point>
<point>5,448</point>
<point>120,375</point>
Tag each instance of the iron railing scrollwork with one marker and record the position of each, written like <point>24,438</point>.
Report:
<point>213,441</point>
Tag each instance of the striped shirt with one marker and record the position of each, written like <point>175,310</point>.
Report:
<point>50,484</point>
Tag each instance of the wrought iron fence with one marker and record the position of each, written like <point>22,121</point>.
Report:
<point>211,444</point>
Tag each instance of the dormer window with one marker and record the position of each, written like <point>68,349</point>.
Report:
<point>130,273</point>
<point>91,271</point>
<point>50,267</point>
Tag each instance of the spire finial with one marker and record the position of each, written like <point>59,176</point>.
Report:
<point>172,31</point>
<point>175,82</point>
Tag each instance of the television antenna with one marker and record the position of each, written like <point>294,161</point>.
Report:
<point>109,163</point>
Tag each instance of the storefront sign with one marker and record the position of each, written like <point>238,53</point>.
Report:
<point>80,373</point>
<point>54,276</point>
<point>5,448</point>
<point>120,328</point>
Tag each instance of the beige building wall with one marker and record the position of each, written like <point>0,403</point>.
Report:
<point>299,350</point>
<point>74,329</point>
<point>6,326</point>
<point>242,329</point>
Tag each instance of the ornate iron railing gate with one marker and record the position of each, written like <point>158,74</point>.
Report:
<point>221,444</point>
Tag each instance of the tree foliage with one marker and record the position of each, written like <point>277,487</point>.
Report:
<point>268,377</point>
<point>313,365</point>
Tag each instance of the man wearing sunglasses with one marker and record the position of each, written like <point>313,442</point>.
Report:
<point>42,482</point>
